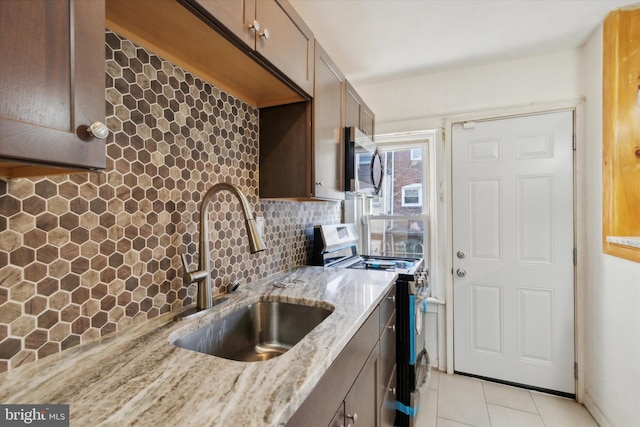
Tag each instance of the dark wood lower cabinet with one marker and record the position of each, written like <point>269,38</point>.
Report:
<point>388,404</point>
<point>338,418</point>
<point>358,389</point>
<point>358,407</point>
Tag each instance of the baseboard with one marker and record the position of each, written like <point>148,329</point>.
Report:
<point>595,411</point>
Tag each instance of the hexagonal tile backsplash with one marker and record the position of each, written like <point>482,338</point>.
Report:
<point>85,255</point>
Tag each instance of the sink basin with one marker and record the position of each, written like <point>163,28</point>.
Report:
<point>257,332</point>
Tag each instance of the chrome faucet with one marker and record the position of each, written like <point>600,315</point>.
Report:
<point>203,273</point>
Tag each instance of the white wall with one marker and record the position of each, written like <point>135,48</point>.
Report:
<point>612,286</point>
<point>417,103</point>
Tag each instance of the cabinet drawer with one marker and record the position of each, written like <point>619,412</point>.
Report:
<point>387,307</point>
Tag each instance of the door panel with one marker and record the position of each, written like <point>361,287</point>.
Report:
<point>513,250</point>
<point>535,325</point>
<point>486,318</point>
<point>485,205</point>
<point>534,217</point>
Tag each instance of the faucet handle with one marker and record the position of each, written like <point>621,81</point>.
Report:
<point>191,276</point>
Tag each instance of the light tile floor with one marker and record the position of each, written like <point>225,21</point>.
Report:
<point>459,401</point>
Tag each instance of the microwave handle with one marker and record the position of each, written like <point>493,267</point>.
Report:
<point>376,185</point>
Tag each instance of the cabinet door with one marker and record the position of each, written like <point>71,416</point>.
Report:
<point>356,113</point>
<point>367,121</point>
<point>361,404</point>
<point>328,136</point>
<point>387,355</point>
<point>338,418</point>
<point>237,16</point>
<point>52,82</point>
<point>289,44</point>
<point>388,404</point>
<point>352,104</point>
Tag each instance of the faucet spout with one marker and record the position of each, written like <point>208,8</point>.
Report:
<point>256,244</point>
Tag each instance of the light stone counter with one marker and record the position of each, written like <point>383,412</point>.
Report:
<point>136,377</point>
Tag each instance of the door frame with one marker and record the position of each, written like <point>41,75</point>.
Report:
<point>579,220</point>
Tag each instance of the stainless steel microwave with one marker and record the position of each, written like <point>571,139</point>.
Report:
<point>364,169</point>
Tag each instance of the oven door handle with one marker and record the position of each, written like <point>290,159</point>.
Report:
<point>422,362</point>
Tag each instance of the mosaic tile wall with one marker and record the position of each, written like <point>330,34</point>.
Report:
<point>82,256</point>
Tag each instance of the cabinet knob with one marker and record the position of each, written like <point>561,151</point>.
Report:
<point>353,417</point>
<point>392,327</point>
<point>392,298</point>
<point>265,34</point>
<point>255,26</point>
<point>392,390</point>
<point>98,130</point>
<point>320,183</point>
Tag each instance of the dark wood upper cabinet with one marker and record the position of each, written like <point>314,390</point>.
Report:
<point>301,144</point>
<point>272,28</point>
<point>52,85</point>
<point>357,114</point>
<point>328,129</point>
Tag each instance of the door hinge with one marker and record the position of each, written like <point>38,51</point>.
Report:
<point>575,370</point>
<point>574,142</point>
<point>575,256</point>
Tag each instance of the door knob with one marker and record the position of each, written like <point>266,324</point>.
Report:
<point>460,272</point>
<point>460,254</point>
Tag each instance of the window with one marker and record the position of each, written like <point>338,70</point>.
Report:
<point>412,195</point>
<point>416,154</point>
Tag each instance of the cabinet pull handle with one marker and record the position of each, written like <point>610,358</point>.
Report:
<point>98,130</point>
<point>265,34</point>
<point>255,26</point>
<point>353,417</point>
<point>392,327</point>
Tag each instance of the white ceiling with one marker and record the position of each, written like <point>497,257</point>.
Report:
<point>381,40</point>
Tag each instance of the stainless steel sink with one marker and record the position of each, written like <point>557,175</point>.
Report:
<point>257,332</point>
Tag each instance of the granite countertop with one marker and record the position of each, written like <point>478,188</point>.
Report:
<point>136,377</point>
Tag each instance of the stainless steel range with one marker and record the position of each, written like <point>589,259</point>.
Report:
<point>335,245</point>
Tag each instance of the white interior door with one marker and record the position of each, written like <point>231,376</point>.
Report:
<point>513,250</point>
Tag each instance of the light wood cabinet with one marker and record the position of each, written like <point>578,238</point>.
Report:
<point>357,114</point>
<point>621,133</point>
<point>302,144</point>
<point>273,29</point>
<point>51,86</point>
